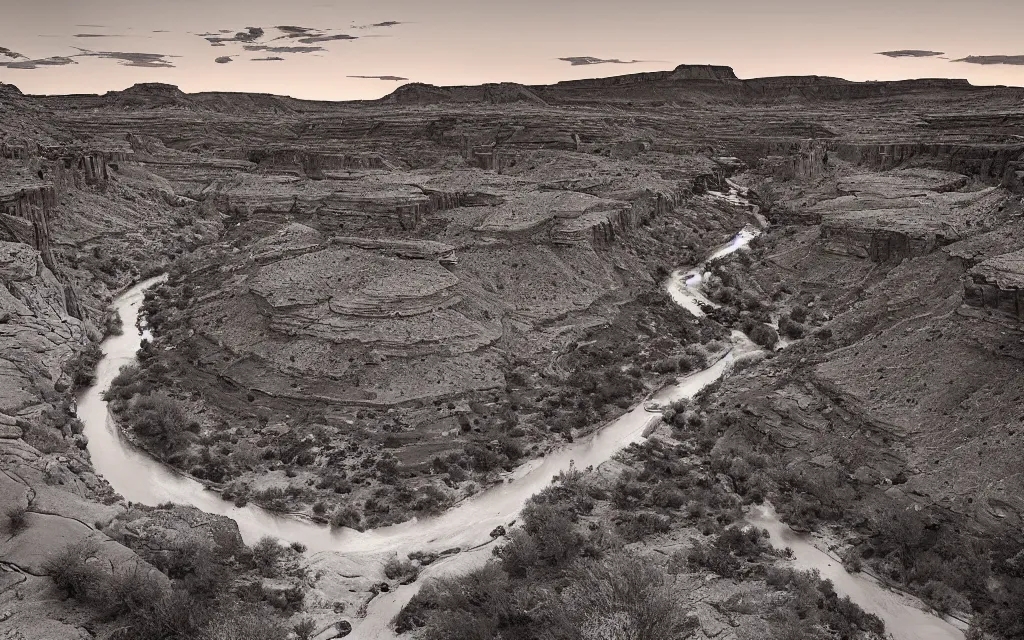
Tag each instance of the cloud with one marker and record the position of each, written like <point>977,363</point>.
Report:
<point>379,25</point>
<point>223,60</point>
<point>292,31</point>
<point>325,38</point>
<point>268,59</point>
<point>55,61</point>
<point>270,49</point>
<point>145,60</point>
<point>585,60</point>
<point>1014,60</point>
<point>251,34</point>
<point>910,53</point>
<point>97,35</point>
<point>392,78</point>
<point>4,51</point>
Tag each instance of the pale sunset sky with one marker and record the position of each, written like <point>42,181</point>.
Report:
<point>448,42</point>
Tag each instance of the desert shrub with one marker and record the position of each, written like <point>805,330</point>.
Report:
<point>131,591</point>
<point>113,325</point>
<point>160,421</point>
<point>249,626</point>
<point>623,596</point>
<point>127,383</point>
<point>396,568</point>
<point>266,556</point>
<point>430,500</point>
<point>634,527</point>
<point>552,528</point>
<point>347,517</point>
<point>761,334</point>
<point>305,629</point>
<point>791,328</point>
<point>767,196</point>
<point>73,571</point>
<point>17,519</point>
<point>82,367</point>
<point>731,552</point>
<point>798,313</point>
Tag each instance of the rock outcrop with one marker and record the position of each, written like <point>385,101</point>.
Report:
<point>998,283</point>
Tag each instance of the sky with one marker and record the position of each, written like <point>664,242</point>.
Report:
<point>93,46</point>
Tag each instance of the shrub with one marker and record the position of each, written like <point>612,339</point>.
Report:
<point>305,629</point>
<point>17,519</point>
<point>131,591</point>
<point>798,313</point>
<point>395,569</point>
<point>791,328</point>
<point>266,555</point>
<point>249,626</point>
<point>347,517</point>
<point>623,596</point>
<point>160,420</point>
<point>82,367</point>
<point>73,572</point>
<point>762,335</point>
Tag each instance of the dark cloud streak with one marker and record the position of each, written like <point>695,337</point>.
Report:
<point>270,49</point>
<point>54,61</point>
<point>577,61</point>
<point>1017,60</point>
<point>910,53</point>
<point>390,78</point>
<point>131,59</point>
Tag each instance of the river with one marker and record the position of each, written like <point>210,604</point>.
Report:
<point>140,478</point>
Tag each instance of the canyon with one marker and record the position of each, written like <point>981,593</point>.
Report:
<point>375,311</point>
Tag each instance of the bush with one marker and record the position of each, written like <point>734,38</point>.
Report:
<point>762,335</point>
<point>395,569</point>
<point>17,519</point>
<point>82,367</point>
<point>73,571</point>
<point>731,551</point>
<point>246,627</point>
<point>160,421</point>
<point>131,591</point>
<point>791,328</point>
<point>266,555</point>
<point>305,629</point>
<point>624,596</point>
<point>347,517</point>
